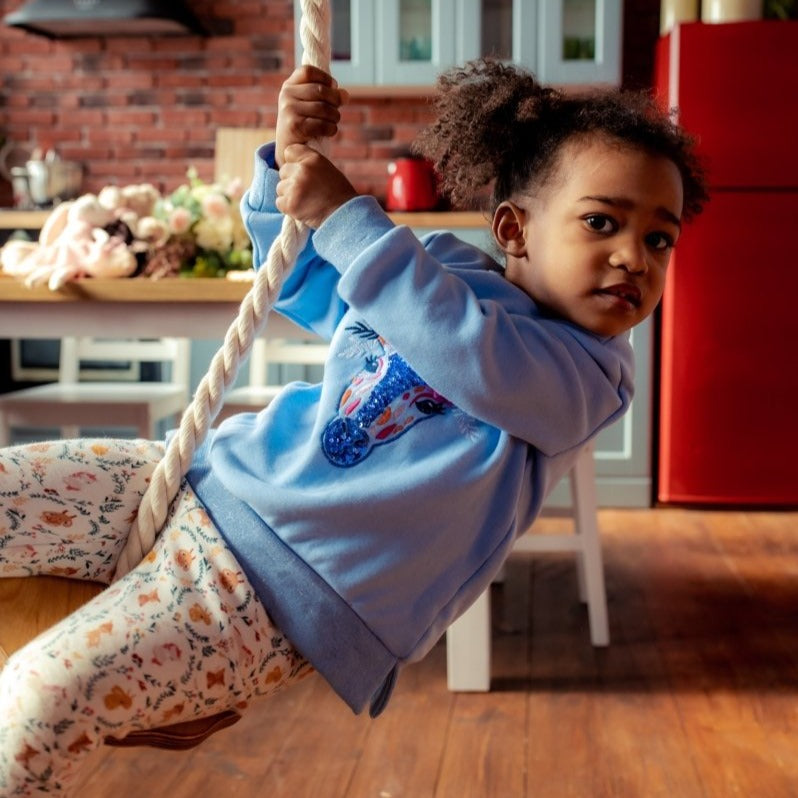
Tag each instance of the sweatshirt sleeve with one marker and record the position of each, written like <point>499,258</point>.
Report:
<point>480,342</point>
<point>309,295</point>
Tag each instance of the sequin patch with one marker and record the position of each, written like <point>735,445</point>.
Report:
<point>384,399</point>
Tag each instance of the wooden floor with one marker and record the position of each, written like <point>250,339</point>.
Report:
<point>696,696</point>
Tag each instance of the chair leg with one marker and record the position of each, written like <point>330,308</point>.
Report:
<point>468,639</point>
<point>468,648</point>
<point>590,567</point>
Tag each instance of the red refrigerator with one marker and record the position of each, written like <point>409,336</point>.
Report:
<point>728,411</point>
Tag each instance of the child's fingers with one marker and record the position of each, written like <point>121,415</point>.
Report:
<point>313,100</point>
<point>318,128</point>
<point>295,153</point>
<point>316,94</point>
<point>289,192</point>
<point>314,85</point>
<point>310,74</point>
<point>307,108</point>
<point>308,113</point>
<point>317,110</point>
<point>295,177</point>
<point>310,186</point>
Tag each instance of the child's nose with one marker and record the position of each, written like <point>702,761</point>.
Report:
<point>630,256</point>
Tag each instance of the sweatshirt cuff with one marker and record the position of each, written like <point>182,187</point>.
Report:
<point>349,230</point>
<point>262,191</point>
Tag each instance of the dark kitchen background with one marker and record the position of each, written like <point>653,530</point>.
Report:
<point>144,109</point>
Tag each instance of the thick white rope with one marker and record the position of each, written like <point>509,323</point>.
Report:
<point>314,31</point>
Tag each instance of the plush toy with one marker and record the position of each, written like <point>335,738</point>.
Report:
<point>92,236</point>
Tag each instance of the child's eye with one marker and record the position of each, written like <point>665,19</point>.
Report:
<point>660,241</point>
<point>601,223</point>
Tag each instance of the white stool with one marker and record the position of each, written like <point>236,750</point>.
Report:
<point>468,639</point>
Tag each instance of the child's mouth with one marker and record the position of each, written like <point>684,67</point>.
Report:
<point>625,292</point>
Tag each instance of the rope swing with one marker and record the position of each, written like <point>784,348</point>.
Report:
<point>314,33</point>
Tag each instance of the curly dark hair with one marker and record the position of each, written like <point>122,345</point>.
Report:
<point>498,126</point>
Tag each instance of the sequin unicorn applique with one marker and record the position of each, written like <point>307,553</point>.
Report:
<point>384,399</point>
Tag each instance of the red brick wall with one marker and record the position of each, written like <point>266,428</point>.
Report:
<point>145,109</point>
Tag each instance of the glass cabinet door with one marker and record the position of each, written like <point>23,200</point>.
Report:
<point>415,40</point>
<point>496,34</point>
<point>503,29</point>
<point>351,43</point>
<point>409,42</point>
<point>580,41</point>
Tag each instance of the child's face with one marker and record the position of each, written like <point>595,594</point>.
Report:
<point>593,245</point>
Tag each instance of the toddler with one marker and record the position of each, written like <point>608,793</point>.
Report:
<point>344,527</point>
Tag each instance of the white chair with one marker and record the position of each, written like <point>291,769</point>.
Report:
<point>468,639</point>
<point>271,363</point>
<point>72,403</point>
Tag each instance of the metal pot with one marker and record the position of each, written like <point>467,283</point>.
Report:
<point>52,180</point>
<point>20,187</point>
<point>40,181</point>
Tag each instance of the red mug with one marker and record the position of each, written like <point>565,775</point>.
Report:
<point>411,185</point>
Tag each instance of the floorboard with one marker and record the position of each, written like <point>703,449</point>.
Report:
<point>695,697</point>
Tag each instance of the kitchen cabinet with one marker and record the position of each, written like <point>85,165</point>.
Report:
<point>579,41</point>
<point>409,42</point>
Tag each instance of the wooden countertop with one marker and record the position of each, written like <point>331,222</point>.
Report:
<point>441,220</point>
<point>22,220</point>
<point>128,308</point>
<point>181,290</point>
<point>136,289</point>
<point>33,220</point>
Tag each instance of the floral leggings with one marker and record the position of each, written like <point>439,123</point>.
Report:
<point>181,636</point>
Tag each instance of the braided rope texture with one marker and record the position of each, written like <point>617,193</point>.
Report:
<point>314,31</point>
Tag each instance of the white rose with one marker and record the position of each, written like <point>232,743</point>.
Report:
<point>216,235</point>
<point>154,232</point>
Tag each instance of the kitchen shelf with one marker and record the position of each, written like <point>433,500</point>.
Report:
<point>443,219</point>
<point>33,220</point>
<point>133,289</point>
<point>11,219</point>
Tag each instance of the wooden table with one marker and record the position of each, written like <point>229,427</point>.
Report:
<point>434,220</point>
<point>192,308</point>
<point>136,307</point>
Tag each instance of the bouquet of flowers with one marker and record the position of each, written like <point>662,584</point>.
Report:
<point>206,233</point>
<point>134,231</point>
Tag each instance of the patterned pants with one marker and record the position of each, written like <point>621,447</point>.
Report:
<point>182,636</point>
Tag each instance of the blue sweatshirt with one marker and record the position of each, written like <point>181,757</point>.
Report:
<point>372,509</point>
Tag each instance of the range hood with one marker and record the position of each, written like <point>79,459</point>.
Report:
<point>72,19</point>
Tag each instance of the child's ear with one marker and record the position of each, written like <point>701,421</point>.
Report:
<point>508,229</point>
